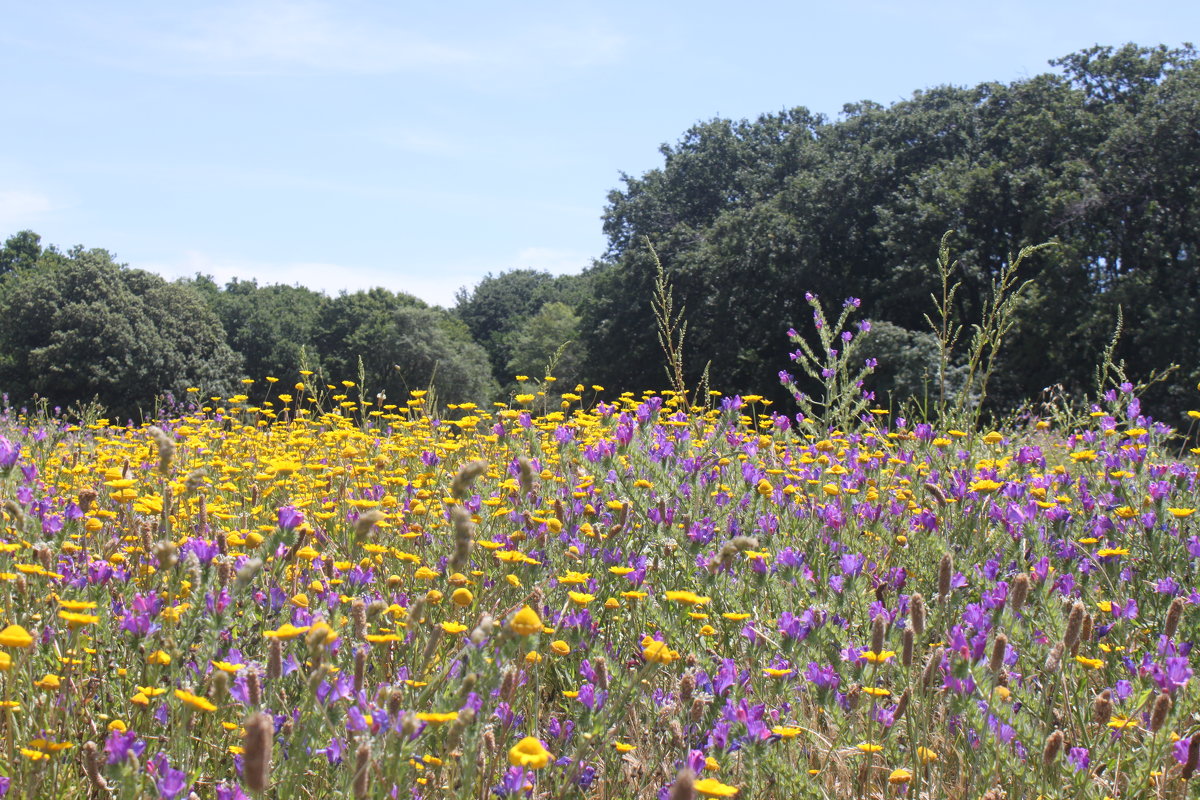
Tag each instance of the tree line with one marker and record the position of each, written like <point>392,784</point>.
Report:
<point>1101,158</point>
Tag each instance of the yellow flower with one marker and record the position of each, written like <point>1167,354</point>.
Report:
<point>869,747</point>
<point>529,753</point>
<point>5,661</point>
<point>1094,663</point>
<point>437,717</point>
<point>658,652</point>
<point>462,597</point>
<point>581,598</point>
<point>1121,723</point>
<point>985,486</point>
<point>225,666</point>
<point>195,701</point>
<point>878,658</point>
<point>1180,513</point>
<point>452,627</point>
<point>1112,551</point>
<point>899,776</point>
<point>560,647</point>
<point>288,631</point>
<point>526,622</point>
<point>15,636</point>
<point>688,598</point>
<point>622,747</point>
<point>50,682</point>
<point>75,620</point>
<point>158,657</point>
<point>786,731</point>
<point>714,788</point>
<point>993,437</point>
<point>926,755</point>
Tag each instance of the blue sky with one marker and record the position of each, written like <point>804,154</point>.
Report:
<point>419,146</point>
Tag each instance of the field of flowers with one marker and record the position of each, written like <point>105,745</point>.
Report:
<point>325,595</point>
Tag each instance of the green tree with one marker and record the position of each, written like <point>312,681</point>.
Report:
<point>404,345</point>
<point>79,326</point>
<point>551,336</point>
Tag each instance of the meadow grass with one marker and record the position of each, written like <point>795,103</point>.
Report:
<point>632,597</point>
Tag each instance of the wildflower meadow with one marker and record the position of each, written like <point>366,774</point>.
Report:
<point>326,594</point>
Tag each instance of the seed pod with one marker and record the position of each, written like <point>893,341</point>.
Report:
<point>508,684</point>
<point>467,686</point>
<point>1054,659</point>
<point>931,668</point>
<point>408,724</point>
<point>877,634</point>
<point>1193,757</point>
<point>1019,593</point>
<point>219,686</point>
<point>1102,707</point>
<point>901,706</point>
<point>274,659</point>
<point>253,687</point>
<point>358,618</point>
<point>394,699</point>
<point>1074,626</point>
<point>247,574</point>
<point>906,653</point>
<point>489,742</point>
<point>687,685</point>
<point>916,610</point>
<point>1158,714</point>
<point>362,771</point>
<point>85,500</point>
<point>1085,632</point>
<point>366,521</point>
<point>999,650</point>
<point>676,731</point>
<point>938,494</point>
<point>15,511</point>
<point>1053,745</point>
<point>526,476</point>
<point>1174,614</point>
<point>460,487</point>
<point>360,669</point>
<point>257,743</point>
<point>945,571</point>
<point>684,787</point>
<point>697,712</point>
<point>601,667</point>
<point>91,766</point>
<point>165,446</point>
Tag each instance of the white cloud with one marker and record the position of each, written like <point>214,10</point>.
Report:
<point>21,209</point>
<point>281,36</point>
<point>549,259</point>
<point>314,37</point>
<point>434,286</point>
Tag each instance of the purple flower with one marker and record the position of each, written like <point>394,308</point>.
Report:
<point>119,745</point>
<point>1079,758</point>
<point>171,782</point>
<point>290,517</point>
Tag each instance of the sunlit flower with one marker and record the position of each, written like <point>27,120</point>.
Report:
<point>526,622</point>
<point>529,753</point>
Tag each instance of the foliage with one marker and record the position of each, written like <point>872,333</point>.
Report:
<point>548,339</point>
<point>403,344</point>
<point>500,306</point>
<point>747,216</point>
<point>268,326</point>
<point>79,326</point>
<point>319,599</point>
